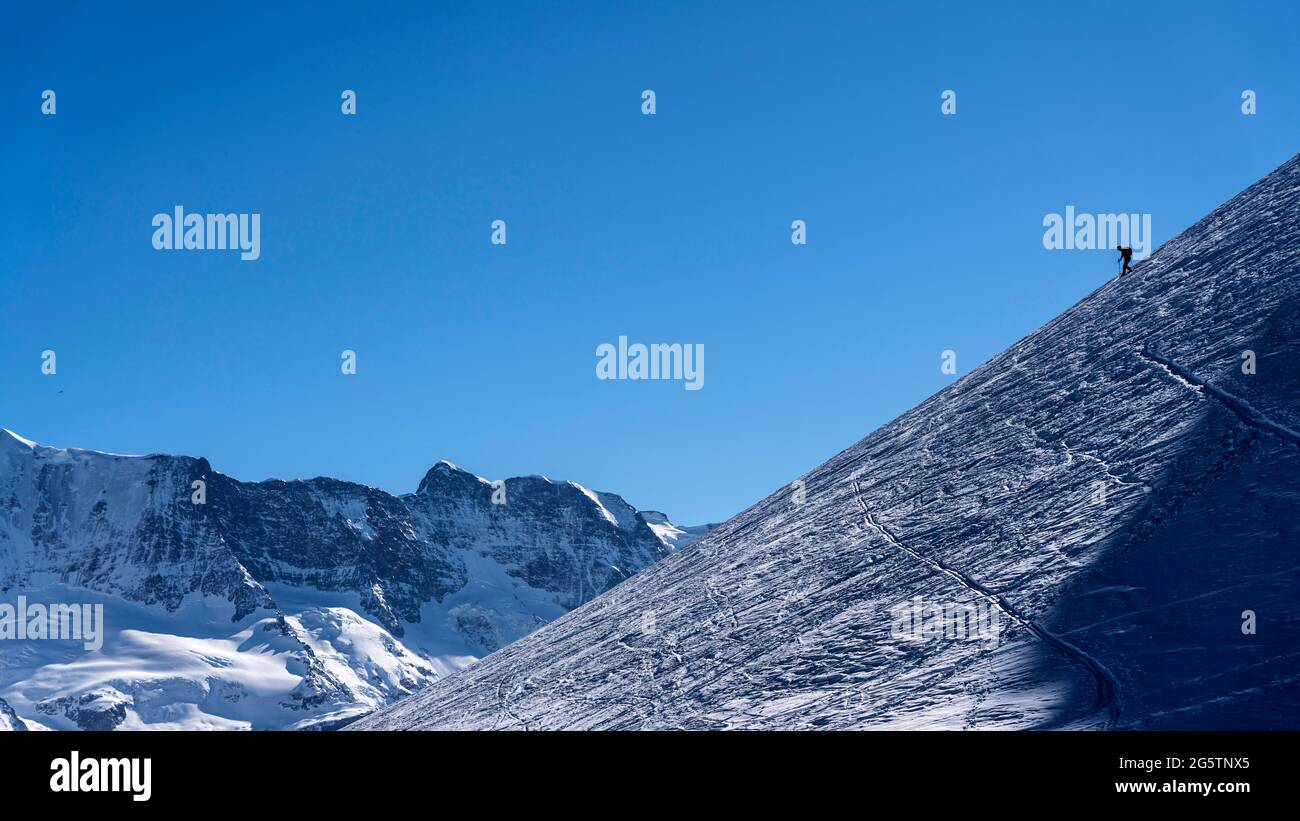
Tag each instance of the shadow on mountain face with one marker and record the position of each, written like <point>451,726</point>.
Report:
<point>1196,610</point>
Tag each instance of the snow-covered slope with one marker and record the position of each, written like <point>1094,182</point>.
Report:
<point>1113,494</point>
<point>282,604</point>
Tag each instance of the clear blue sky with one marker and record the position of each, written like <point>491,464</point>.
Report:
<point>924,231</point>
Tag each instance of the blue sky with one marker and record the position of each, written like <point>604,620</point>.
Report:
<point>924,231</point>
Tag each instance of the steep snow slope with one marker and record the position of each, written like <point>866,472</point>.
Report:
<point>282,604</point>
<point>1112,494</point>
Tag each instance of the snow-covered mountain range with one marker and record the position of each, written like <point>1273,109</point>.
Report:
<point>1119,492</point>
<point>276,604</point>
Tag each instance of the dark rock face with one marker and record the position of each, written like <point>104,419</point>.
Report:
<point>127,526</point>
<point>9,720</point>
<point>119,525</point>
<point>101,710</point>
<point>605,541</point>
<point>334,536</point>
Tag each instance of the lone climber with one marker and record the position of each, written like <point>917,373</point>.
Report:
<point>1125,254</point>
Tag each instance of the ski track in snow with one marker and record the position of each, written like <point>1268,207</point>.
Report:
<point>1243,410</point>
<point>1105,680</point>
<point>1070,453</point>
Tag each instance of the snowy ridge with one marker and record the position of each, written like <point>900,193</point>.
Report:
<point>14,438</point>
<point>674,536</point>
<point>1141,504</point>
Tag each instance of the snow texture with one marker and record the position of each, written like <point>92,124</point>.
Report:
<point>1114,485</point>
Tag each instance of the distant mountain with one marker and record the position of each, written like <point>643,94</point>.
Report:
<point>9,720</point>
<point>1098,528</point>
<point>284,604</point>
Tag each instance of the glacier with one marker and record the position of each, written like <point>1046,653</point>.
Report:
<point>1118,484</point>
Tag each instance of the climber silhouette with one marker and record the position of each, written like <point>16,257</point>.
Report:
<point>1125,254</point>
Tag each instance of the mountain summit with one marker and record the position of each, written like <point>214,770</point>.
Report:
<point>1095,529</point>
